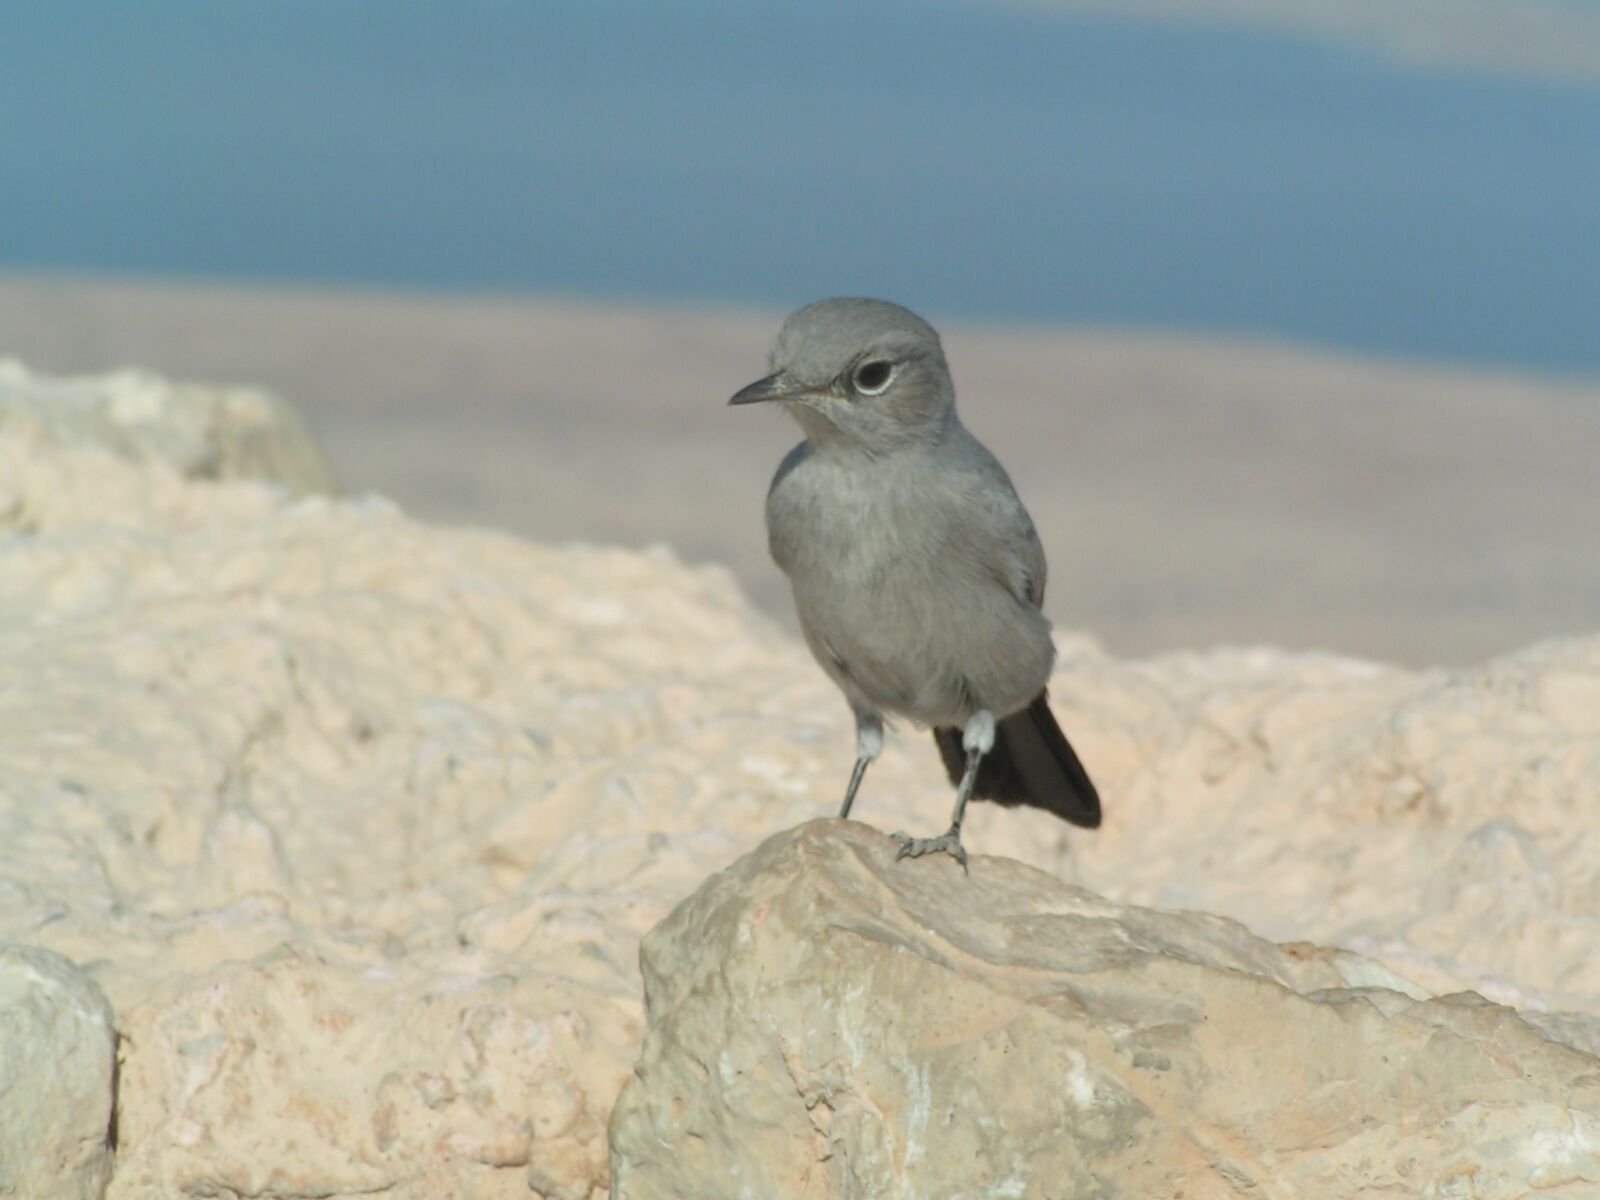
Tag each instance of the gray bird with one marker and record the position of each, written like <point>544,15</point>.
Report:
<point>916,571</point>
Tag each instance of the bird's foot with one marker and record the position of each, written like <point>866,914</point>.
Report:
<point>949,842</point>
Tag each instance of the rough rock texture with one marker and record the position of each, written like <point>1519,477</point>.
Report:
<point>203,432</point>
<point>826,1021</point>
<point>58,1055</point>
<point>1442,821</point>
<point>358,823</point>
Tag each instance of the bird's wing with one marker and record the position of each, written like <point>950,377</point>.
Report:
<point>1032,553</point>
<point>1001,527</point>
<point>1018,554</point>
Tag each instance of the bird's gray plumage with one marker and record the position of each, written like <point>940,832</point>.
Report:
<point>917,573</point>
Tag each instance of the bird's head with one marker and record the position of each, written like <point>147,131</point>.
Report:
<point>859,372</point>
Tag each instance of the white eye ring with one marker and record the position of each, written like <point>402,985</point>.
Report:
<point>872,378</point>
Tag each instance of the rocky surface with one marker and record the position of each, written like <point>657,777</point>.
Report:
<point>202,432</point>
<point>358,823</point>
<point>827,1021</point>
<point>58,1055</point>
<point>1441,821</point>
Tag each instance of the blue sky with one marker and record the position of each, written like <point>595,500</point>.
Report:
<point>984,162</point>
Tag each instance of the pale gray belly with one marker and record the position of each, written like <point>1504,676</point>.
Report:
<point>921,637</point>
<point>900,605</point>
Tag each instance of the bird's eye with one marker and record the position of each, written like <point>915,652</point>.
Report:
<point>872,377</point>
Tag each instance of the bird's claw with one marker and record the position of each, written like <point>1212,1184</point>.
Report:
<point>948,842</point>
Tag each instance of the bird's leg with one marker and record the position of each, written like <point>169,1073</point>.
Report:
<point>977,739</point>
<point>869,744</point>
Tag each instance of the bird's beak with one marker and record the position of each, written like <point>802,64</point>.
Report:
<point>777,386</point>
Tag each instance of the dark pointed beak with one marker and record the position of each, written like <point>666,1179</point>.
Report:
<point>777,386</point>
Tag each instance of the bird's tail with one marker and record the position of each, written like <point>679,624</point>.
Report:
<point>1032,763</point>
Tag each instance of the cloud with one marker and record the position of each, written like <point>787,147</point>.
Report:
<point>1549,39</point>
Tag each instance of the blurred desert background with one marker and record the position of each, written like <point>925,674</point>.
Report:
<point>1189,491</point>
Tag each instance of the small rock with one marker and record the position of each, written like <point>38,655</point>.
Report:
<point>58,1054</point>
<point>202,432</point>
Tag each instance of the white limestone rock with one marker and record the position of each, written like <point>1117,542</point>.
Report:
<point>358,823</point>
<point>1441,821</point>
<point>201,432</point>
<point>58,1055</point>
<point>828,1022</point>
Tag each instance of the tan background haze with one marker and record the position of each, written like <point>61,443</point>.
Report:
<point>1189,492</point>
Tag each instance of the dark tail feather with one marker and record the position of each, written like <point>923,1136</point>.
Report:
<point>1032,763</point>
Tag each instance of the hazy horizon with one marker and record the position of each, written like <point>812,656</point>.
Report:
<point>1537,39</point>
<point>980,162</point>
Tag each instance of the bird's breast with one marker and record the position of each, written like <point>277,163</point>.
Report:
<point>849,527</point>
<point>895,601</point>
